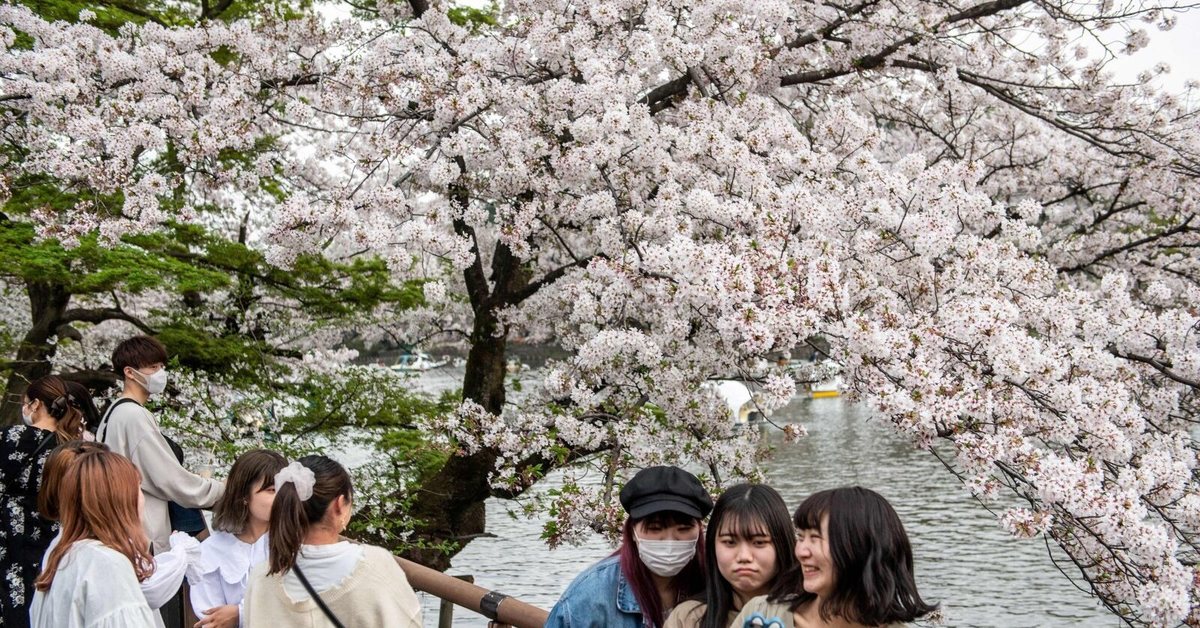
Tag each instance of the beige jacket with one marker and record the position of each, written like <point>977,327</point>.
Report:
<point>131,431</point>
<point>375,595</point>
<point>688,615</point>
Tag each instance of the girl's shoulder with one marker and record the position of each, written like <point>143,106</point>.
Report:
<point>230,556</point>
<point>13,436</point>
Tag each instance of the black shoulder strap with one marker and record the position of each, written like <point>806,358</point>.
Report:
<point>108,413</point>
<point>316,598</point>
<point>52,437</point>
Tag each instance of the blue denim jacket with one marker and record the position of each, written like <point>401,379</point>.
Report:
<point>600,597</point>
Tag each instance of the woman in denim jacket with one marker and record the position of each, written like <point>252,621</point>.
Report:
<point>660,561</point>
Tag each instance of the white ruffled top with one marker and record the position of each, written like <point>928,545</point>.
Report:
<point>221,576</point>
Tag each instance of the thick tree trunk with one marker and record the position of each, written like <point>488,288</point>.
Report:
<point>47,303</point>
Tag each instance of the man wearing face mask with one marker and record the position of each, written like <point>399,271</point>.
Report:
<point>132,431</point>
<point>658,564</point>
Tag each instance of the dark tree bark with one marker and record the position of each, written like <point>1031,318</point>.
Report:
<point>47,304</point>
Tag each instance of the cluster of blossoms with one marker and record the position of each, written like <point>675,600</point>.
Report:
<point>992,240</point>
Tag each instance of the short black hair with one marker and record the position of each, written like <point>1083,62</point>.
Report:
<point>138,352</point>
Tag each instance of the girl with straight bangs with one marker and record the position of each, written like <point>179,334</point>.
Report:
<point>169,567</point>
<point>91,577</point>
<point>751,541</point>
<point>660,561</point>
<point>51,414</point>
<point>855,567</point>
<point>314,577</point>
<point>239,539</point>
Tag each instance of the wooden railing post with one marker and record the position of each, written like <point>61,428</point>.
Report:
<point>496,606</point>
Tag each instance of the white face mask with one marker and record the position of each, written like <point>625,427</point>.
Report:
<point>665,558</point>
<point>154,383</point>
<point>27,418</point>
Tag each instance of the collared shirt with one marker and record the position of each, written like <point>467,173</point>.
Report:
<point>600,597</point>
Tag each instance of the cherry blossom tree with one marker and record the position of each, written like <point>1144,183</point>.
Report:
<point>989,233</point>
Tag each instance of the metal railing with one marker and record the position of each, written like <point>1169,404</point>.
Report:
<point>498,607</point>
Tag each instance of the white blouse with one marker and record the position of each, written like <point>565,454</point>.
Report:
<point>221,576</point>
<point>95,587</point>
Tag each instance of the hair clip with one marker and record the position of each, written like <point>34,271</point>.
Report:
<point>300,476</point>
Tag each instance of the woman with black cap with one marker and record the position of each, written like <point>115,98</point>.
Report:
<point>660,561</point>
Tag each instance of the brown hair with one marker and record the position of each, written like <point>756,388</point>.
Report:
<point>81,399</point>
<point>138,352</point>
<point>252,472</point>
<point>56,467</point>
<point>99,500</point>
<point>60,403</point>
<point>292,518</point>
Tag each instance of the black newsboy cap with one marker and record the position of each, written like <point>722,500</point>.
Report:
<point>657,489</point>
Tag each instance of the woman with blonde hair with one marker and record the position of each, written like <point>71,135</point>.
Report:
<point>91,577</point>
<point>170,567</point>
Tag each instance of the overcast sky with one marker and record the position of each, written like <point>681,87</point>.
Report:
<point>1178,48</point>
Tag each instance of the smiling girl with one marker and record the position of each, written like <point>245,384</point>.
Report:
<point>856,568</point>
<point>750,539</point>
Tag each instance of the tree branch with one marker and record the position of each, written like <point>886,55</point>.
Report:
<point>99,315</point>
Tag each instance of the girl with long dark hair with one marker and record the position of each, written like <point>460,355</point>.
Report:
<point>750,541</point>
<point>51,415</point>
<point>660,561</point>
<point>313,576</point>
<point>91,577</point>
<point>855,567</point>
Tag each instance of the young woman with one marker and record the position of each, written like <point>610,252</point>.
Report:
<point>51,415</point>
<point>91,577</point>
<point>751,540</point>
<point>169,567</point>
<point>239,539</point>
<point>856,567</point>
<point>313,577</point>
<point>660,561</point>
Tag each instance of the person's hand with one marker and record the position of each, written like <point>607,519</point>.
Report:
<point>219,617</point>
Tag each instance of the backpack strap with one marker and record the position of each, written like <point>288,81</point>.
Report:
<point>316,598</point>
<point>108,413</point>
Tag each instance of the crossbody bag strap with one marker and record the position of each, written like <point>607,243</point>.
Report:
<point>316,598</point>
<point>108,413</point>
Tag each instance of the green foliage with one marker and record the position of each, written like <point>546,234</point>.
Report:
<point>474,18</point>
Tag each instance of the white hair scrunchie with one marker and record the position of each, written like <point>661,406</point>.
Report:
<point>301,476</point>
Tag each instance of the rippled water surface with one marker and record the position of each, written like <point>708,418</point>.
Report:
<point>964,560</point>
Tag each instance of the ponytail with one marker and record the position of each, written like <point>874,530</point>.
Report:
<point>64,406</point>
<point>292,518</point>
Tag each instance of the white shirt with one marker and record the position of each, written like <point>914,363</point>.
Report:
<point>221,576</point>
<point>325,566</point>
<point>164,583</point>
<point>95,587</point>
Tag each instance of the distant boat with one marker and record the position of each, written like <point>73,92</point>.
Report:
<point>831,387</point>
<point>416,361</point>
<point>737,397</point>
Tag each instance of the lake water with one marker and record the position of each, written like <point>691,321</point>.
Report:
<point>964,560</point>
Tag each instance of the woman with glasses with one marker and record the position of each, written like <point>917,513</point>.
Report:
<point>51,414</point>
<point>855,568</point>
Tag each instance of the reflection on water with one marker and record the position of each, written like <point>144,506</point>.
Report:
<point>964,560</point>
